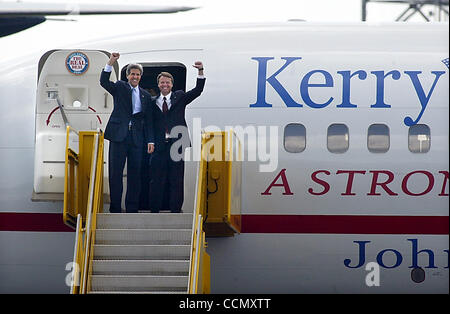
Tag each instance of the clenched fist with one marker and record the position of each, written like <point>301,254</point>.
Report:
<point>113,58</point>
<point>199,66</point>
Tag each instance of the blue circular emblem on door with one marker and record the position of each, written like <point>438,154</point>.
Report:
<point>77,63</point>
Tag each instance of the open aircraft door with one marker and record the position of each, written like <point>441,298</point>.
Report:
<point>68,94</point>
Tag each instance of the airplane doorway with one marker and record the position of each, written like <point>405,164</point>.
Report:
<point>151,71</point>
<point>149,83</point>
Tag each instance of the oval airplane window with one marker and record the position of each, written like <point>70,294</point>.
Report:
<point>378,138</point>
<point>294,138</point>
<point>419,138</point>
<point>337,138</point>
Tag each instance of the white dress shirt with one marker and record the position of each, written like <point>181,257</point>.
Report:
<point>136,99</point>
<point>160,101</point>
<point>135,94</point>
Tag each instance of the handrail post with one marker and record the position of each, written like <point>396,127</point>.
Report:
<point>70,181</point>
<point>89,216</point>
<point>88,163</point>
<point>198,257</point>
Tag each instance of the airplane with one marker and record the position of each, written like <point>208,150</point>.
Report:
<point>344,129</point>
<point>18,16</point>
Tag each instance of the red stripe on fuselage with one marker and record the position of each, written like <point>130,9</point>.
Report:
<point>38,222</point>
<point>345,224</point>
<point>333,224</point>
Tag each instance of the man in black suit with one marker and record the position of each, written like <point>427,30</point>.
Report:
<point>129,128</point>
<point>167,173</point>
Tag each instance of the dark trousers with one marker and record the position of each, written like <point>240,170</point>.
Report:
<point>167,181</point>
<point>119,152</point>
<point>145,180</point>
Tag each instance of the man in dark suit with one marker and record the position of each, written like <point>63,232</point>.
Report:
<point>129,128</point>
<point>167,173</point>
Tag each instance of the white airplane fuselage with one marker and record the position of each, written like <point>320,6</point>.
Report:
<point>362,178</point>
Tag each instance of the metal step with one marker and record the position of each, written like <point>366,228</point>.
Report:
<point>139,283</point>
<point>144,221</point>
<point>143,236</point>
<point>141,267</point>
<point>142,252</point>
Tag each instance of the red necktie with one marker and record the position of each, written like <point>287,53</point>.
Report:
<point>164,107</point>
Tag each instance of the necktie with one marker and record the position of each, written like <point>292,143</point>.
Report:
<point>135,99</point>
<point>164,106</point>
<point>134,104</point>
<point>165,109</point>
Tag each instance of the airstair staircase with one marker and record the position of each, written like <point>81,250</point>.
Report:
<point>141,253</point>
<point>145,252</point>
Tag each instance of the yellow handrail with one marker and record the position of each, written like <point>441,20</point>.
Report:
<point>77,258</point>
<point>217,208</point>
<point>97,205</point>
<point>83,200</point>
<point>199,262</point>
<point>70,183</point>
<point>224,161</point>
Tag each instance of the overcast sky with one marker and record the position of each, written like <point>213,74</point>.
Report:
<point>53,34</point>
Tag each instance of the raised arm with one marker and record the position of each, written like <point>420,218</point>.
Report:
<point>197,90</point>
<point>106,73</point>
